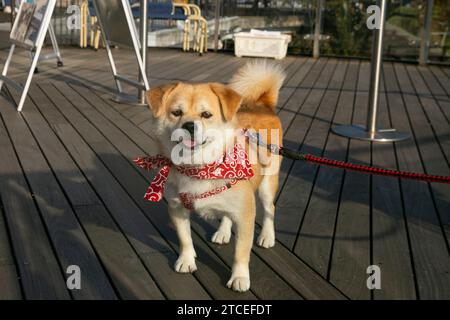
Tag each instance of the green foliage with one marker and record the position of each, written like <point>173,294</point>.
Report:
<point>407,18</point>
<point>346,24</point>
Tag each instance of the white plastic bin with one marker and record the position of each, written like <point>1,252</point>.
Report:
<point>256,43</point>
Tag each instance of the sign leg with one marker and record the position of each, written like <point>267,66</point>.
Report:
<point>52,35</point>
<point>30,76</point>
<point>6,66</point>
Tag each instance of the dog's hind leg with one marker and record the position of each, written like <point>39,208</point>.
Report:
<point>223,233</point>
<point>181,220</point>
<point>267,191</point>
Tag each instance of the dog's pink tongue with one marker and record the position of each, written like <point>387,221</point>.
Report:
<point>189,143</point>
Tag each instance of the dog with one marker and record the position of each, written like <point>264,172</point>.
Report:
<point>210,117</point>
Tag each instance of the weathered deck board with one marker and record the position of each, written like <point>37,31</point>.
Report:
<point>315,236</point>
<point>351,249</point>
<point>429,248</point>
<point>70,152</point>
<point>432,117</point>
<point>291,204</point>
<point>37,265</point>
<point>441,78</point>
<point>68,237</point>
<point>10,288</point>
<point>388,220</point>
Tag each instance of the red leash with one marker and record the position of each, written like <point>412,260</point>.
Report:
<point>345,165</point>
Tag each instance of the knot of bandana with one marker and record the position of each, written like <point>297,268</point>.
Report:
<point>234,165</point>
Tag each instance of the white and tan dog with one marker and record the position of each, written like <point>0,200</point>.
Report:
<point>209,112</point>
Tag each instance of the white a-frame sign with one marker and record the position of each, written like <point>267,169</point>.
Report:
<point>117,26</point>
<point>28,32</point>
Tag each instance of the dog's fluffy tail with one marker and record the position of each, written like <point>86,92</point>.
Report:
<point>259,82</point>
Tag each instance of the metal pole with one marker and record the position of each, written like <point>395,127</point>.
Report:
<point>143,34</point>
<point>39,44</point>
<point>317,27</point>
<point>375,71</point>
<point>425,33</point>
<point>370,132</point>
<point>216,25</point>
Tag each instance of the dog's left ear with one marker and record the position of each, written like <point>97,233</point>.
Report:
<point>230,100</point>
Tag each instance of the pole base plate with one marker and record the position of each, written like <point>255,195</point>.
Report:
<point>359,132</point>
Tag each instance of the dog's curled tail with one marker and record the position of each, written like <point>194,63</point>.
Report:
<point>259,81</point>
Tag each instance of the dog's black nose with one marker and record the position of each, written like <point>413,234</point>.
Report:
<point>189,126</point>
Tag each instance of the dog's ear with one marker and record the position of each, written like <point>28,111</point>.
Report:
<point>230,100</point>
<point>156,97</point>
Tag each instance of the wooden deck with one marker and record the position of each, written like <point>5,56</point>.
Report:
<point>70,194</point>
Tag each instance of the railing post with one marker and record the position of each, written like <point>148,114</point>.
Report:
<point>13,12</point>
<point>216,25</point>
<point>425,33</point>
<point>317,29</point>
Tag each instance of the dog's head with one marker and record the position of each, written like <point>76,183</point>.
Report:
<point>194,122</point>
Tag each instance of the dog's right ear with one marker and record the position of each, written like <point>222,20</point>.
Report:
<point>156,97</point>
<point>230,100</point>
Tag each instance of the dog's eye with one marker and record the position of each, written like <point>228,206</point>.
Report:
<point>206,114</point>
<point>177,113</point>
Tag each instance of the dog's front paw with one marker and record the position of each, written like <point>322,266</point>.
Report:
<point>266,239</point>
<point>221,237</point>
<point>185,264</point>
<point>240,284</point>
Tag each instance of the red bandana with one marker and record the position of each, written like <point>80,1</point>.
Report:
<point>234,165</point>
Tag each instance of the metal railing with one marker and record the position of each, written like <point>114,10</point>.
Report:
<point>416,30</point>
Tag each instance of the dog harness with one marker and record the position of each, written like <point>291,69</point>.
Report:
<point>234,166</point>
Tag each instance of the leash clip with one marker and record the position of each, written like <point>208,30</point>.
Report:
<point>254,136</point>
